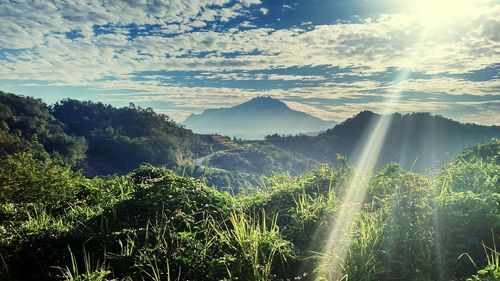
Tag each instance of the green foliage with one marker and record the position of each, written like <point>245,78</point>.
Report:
<point>121,139</point>
<point>24,179</point>
<point>222,180</point>
<point>405,203</point>
<point>417,141</point>
<point>23,120</point>
<point>491,271</point>
<point>362,262</point>
<point>92,273</point>
<point>261,159</point>
<point>155,225</point>
<point>255,243</point>
<point>476,170</point>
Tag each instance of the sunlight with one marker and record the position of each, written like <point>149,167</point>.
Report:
<point>435,12</point>
<point>340,234</point>
<point>432,15</point>
<point>337,246</point>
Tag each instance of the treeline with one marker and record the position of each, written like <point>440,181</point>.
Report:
<point>98,138</point>
<point>417,141</point>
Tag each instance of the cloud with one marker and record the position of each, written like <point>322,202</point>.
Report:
<point>373,46</point>
<point>224,39</point>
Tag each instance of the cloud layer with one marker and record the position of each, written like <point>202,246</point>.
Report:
<point>194,54</point>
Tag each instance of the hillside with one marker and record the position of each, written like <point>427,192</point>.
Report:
<point>26,123</point>
<point>419,141</point>
<point>152,224</point>
<point>99,138</point>
<point>255,119</point>
<point>102,140</point>
<point>259,159</point>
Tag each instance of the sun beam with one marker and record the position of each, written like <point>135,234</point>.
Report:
<point>432,15</point>
<point>337,246</point>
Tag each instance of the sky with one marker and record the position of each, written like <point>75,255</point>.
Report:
<point>328,58</point>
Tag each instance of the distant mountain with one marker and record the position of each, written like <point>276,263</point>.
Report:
<point>417,141</point>
<point>255,119</point>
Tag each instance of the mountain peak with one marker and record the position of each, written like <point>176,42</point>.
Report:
<point>264,103</point>
<point>256,118</point>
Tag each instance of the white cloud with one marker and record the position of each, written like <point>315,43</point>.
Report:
<point>371,46</point>
<point>42,51</point>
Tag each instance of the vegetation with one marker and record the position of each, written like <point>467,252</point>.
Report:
<point>417,141</point>
<point>26,121</point>
<point>104,140</point>
<point>120,139</point>
<point>151,224</point>
<point>260,159</point>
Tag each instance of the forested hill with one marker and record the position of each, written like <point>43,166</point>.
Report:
<point>120,139</point>
<point>100,138</point>
<point>417,140</point>
<point>25,123</point>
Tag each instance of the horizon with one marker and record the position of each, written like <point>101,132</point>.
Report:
<point>336,122</point>
<point>329,59</point>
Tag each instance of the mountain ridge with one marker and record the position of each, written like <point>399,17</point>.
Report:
<point>416,140</point>
<point>101,140</point>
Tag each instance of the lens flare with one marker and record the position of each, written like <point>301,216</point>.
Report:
<point>433,14</point>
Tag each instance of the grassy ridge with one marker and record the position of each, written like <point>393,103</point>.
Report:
<point>152,224</point>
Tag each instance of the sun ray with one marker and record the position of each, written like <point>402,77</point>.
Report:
<point>337,246</point>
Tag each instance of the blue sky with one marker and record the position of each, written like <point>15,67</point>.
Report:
<point>329,58</point>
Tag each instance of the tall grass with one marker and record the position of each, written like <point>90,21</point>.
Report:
<point>257,242</point>
<point>362,260</point>
<point>97,272</point>
<point>491,272</point>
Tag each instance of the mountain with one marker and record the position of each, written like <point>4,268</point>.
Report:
<point>101,139</point>
<point>255,119</point>
<point>417,141</point>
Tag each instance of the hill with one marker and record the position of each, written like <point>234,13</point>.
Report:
<point>99,138</point>
<point>103,140</point>
<point>152,224</point>
<point>255,119</point>
<point>27,123</point>
<point>419,141</point>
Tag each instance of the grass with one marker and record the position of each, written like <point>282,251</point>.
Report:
<point>92,272</point>
<point>254,240</point>
<point>155,225</point>
<point>492,269</point>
